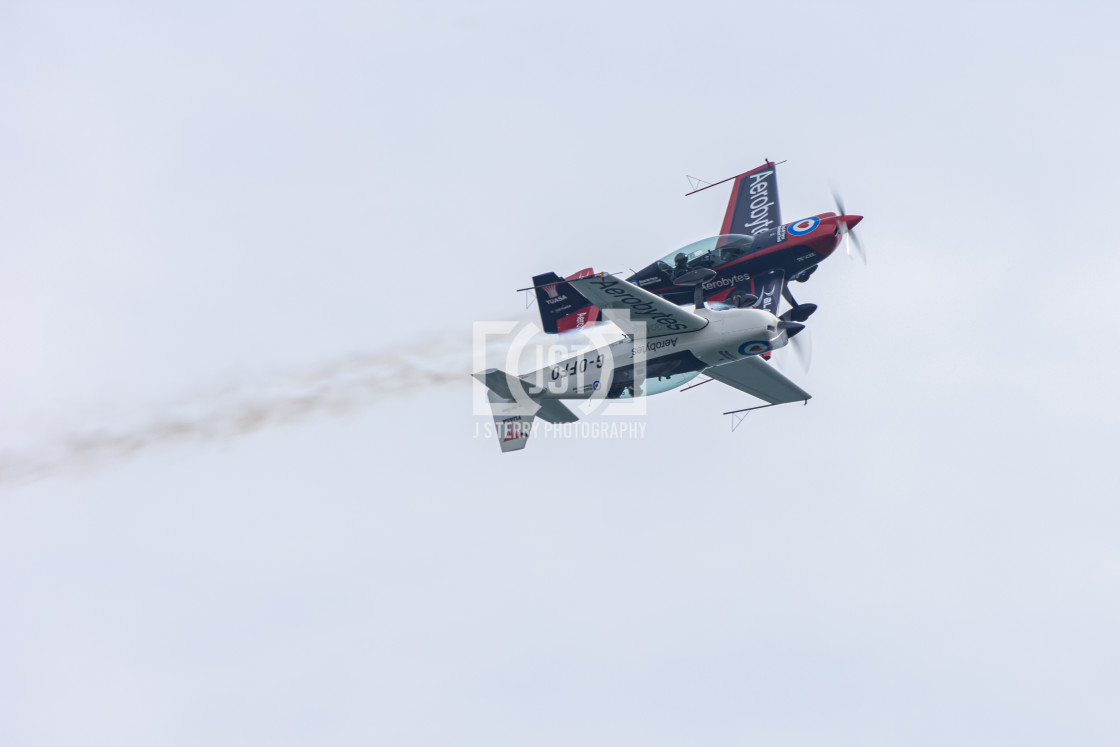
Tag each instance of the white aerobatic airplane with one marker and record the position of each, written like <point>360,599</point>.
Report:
<point>671,343</point>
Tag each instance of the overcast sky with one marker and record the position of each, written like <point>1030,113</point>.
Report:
<point>209,207</point>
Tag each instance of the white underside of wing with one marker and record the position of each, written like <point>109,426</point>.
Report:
<point>759,379</point>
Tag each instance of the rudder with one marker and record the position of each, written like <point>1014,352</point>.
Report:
<point>562,307</point>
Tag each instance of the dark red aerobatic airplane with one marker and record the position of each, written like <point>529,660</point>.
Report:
<point>749,264</point>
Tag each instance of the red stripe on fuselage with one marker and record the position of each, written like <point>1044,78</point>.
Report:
<point>822,241</point>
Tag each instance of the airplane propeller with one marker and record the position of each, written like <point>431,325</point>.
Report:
<point>803,348</point>
<point>800,342</point>
<point>847,227</point>
<point>797,333</point>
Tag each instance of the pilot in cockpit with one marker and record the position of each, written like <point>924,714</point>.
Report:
<point>680,265</point>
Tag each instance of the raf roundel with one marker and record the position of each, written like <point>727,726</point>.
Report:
<point>754,347</point>
<point>803,227</point>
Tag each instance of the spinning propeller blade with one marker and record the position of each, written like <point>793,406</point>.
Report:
<point>797,333</point>
<point>803,348</point>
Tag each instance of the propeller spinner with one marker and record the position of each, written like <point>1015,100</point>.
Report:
<point>847,225</point>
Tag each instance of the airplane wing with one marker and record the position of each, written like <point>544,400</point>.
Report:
<point>754,206</point>
<point>615,297</point>
<point>759,379</point>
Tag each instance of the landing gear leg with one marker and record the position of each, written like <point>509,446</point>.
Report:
<point>788,296</point>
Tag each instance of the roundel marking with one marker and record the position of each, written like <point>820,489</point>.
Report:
<point>802,227</point>
<point>595,386</point>
<point>754,347</point>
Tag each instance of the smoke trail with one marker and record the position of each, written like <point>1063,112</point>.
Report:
<point>342,387</point>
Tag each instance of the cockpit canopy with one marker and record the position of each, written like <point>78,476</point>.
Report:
<point>710,252</point>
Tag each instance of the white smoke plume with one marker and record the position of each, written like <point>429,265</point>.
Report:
<point>240,408</point>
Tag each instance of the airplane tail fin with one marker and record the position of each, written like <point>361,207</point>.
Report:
<point>514,413</point>
<point>563,308</point>
<point>754,205</point>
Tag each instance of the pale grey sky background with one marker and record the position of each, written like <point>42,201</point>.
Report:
<point>205,199</point>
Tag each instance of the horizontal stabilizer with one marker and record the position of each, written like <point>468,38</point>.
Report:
<point>513,422</point>
<point>500,382</point>
<point>554,411</point>
<point>514,415</point>
<point>759,379</point>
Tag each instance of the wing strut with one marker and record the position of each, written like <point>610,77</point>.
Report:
<point>693,386</point>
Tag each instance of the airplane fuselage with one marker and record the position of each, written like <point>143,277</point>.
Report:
<point>630,366</point>
<point>795,248</point>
